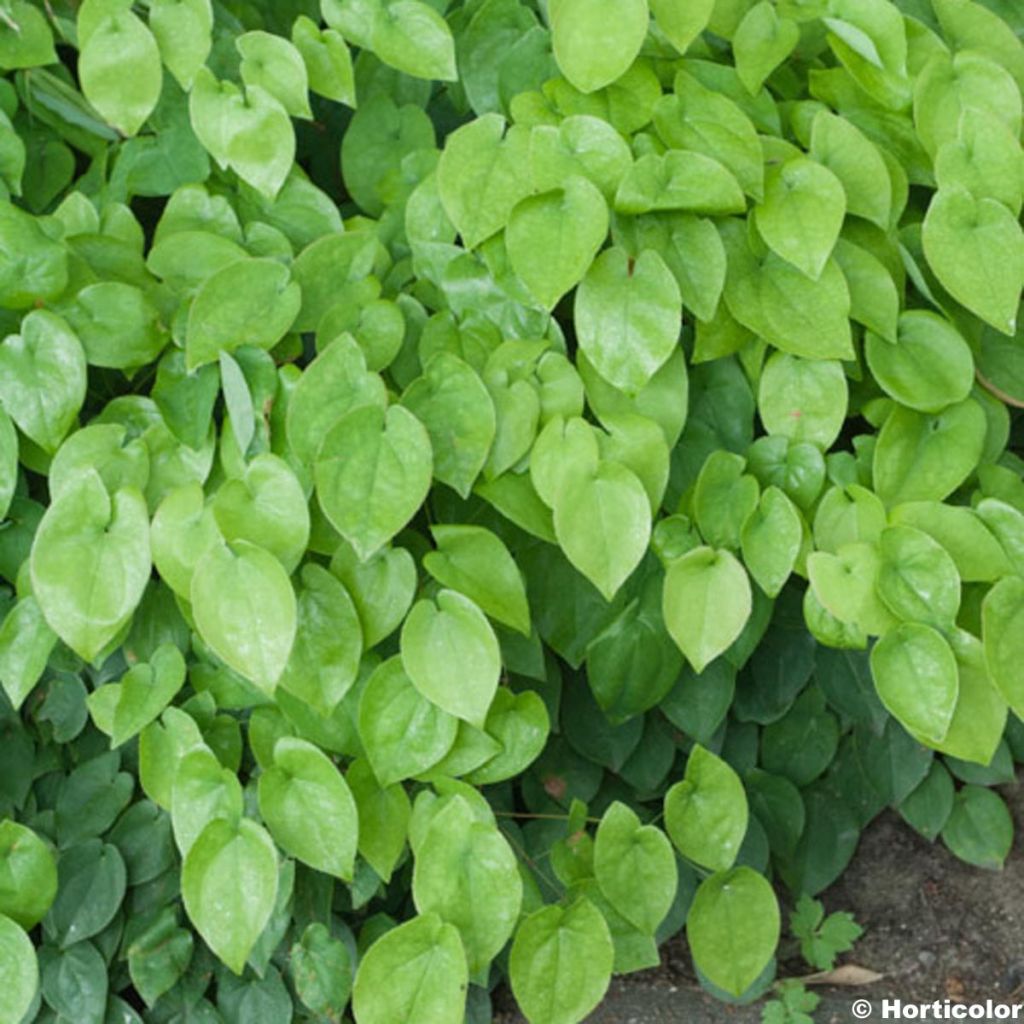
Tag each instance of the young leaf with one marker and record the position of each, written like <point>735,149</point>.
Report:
<point>706,814</point>
<point>733,928</point>
<point>228,885</point>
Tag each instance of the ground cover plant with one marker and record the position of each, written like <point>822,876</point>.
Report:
<point>487,487</point>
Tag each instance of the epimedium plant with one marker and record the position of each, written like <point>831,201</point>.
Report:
<point>569,525</point>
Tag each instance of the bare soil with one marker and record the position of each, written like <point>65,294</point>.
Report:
<point>934,927</point>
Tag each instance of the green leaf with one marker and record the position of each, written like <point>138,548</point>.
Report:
<point>761,42</point>
<point>822,938</point>
<point>308,808</point>
<point>679,181</point>
<point>245,610</point>
<point>771,540</point>
<point>159,956</point>
<point>403,733</point>
<point>921,457</point>
<point>976,249</point>
<point>324,659</point>
<point>144,691</point>
<point>706,603</point>
<point>929,367</point>
<point>265,506</point>
<point>706,813</point>
<point>183,530</point>
<point>635,867</point>
<point>682,23</point>
<point>248,302</point>
<point>841,147</point>
<point>372,473</point>
<point>321,969</point>
<point>628,317</point>
<point>454,405</point>
<point>91,881</point>
<point>203,791</point>
<point>520,724</point>
<point>228,885</point>
<point>803,399</point>
<point>19,971</point>
<point>90,563</point>
<point>603,524</point>
<point>451,630</point>
<point>274,64</point>
<point>552,238</point>
<point>475,562</point>
<point>1002,618</point>
<point>26,641</point>
<point>28,875</point>
<point>327,59</point>
<point>467,874</point>
<point>25,42</point>
<point>183,31</point>
<point>980,829</point>
<point>917,579</point>
<point>915,675</point>
<point>561,962</point>
<point>979,718</point>
<point>733,927</point>
<point>415,972</point>
<point>481,176</point>
<point>801,214</point>
<point>120,46</point>
<point>384,813</point>
<point>595,43</point>
<point>43,378</point>
<point>382,588</point>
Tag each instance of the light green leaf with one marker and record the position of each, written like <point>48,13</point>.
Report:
<point>635,867</point>
<point>381,588</point>
<point>25,645</point>
<point>928,368</point>
<point>458,412</point>
<point>324,659</point>
<point>679,181</point>
<point>481,176</point>
<point>245,610</point>
<point>274,64</point>
<point>628,317</point>
<point>265,506</point>
<point>552,238</point>
<point>771,539</point>
<point>229,884</point>
<point>467,874</point>
<point>802,212</point>
<point>121,48</point>
<point>249,302</point>
<point>183,31</point>
<point>976,249</point>
<point>384,813</point>
<point>595,42</point>
<point>761,42</point>
<point>144,691</point>
<point>183,530</point>
<point>203,791</point>
<point>328,61</point>
<point>451,630</point>
<point>28,875</point>
<point>706,603</point>
<point>26,43</point>
<point>402,732</point>
<point>90,563</point>
<point>733,928</point>
<point>413,973</point>
<point>706,814</point>
<point>19,971</point>
<point>1002,619</point>
<point>917,579</point>
<point>43,378</point>
<point>915,675</point>
<point>561,962</point>
<point>803,399</point>
<point>922,457</point>
<point>475,562</point>
<point>372,473</point>
<point>603,524</point>
<point>682,23</point>
<point>309,809</point>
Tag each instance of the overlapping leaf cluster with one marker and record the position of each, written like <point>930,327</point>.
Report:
<point>591,506</point>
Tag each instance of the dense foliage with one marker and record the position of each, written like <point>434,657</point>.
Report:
<point>485,486</point>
